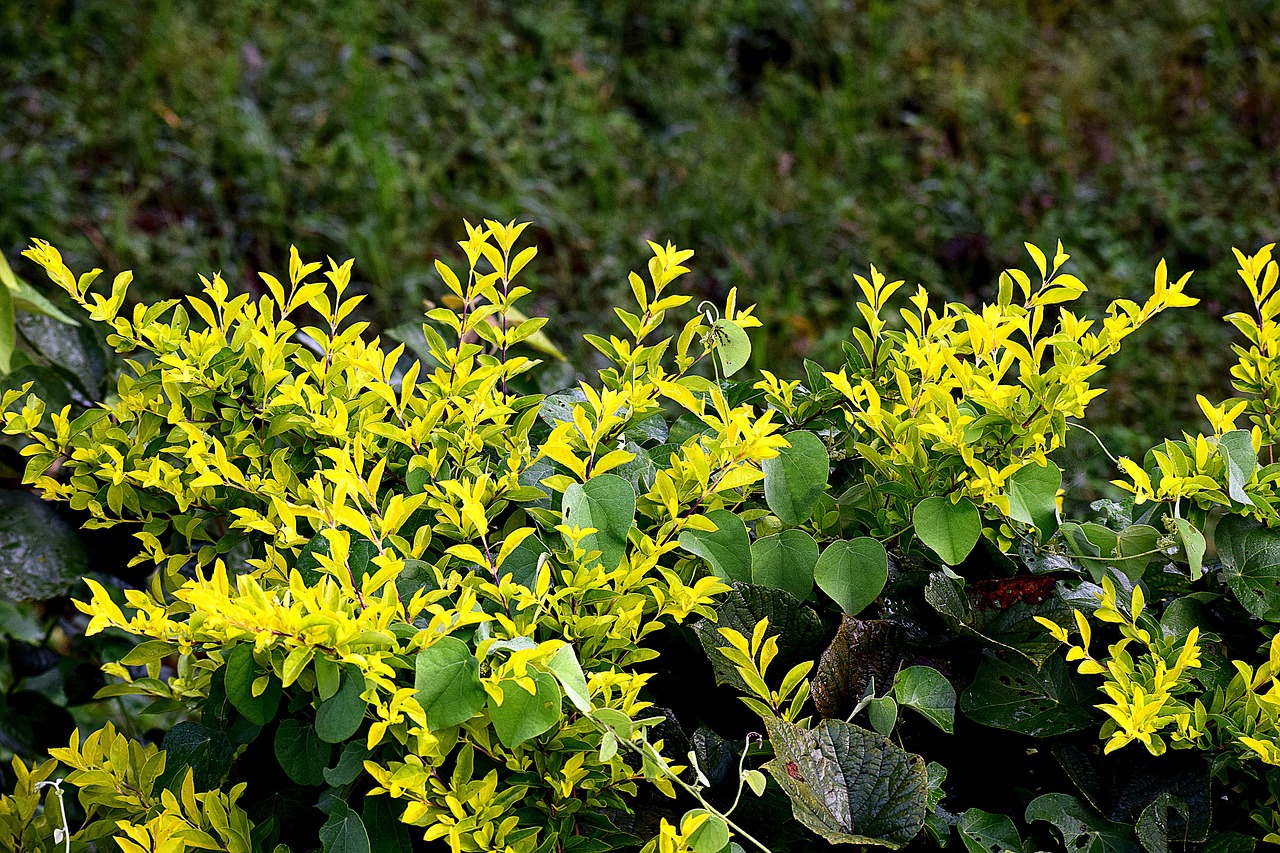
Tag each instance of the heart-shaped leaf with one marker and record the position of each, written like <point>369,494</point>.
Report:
<point>853,572</point>
<point>796,477</point>
<point>727,549</point>
<point>785,561</point>
<point>607,503</point>
<point>950,529</point>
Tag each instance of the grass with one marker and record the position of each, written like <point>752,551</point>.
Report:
<point>789,143</point>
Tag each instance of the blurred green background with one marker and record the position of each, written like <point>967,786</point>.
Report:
<point>789,143</point>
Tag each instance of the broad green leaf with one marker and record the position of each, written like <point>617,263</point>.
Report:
<point>983,832</point>
<point>607,503</point>
<point>41,557</point>
<point>862,652</point>
<point>1241,461</point>
<point>301,753</point>
<point>565,667</point>
<point>241,672</point>
<point>798,629</point>
<point>1010,693</point>
<point>8,330</point>
<point>1229,842</point>
<point>1193,545</point>
<point>523,715</point>
<point>1136,547</point>
<point>207,752</point>
<point>796,477</point>
<point>853,572</point>
<point>328,676</point>
<point>350,765</point>
<point>343,832</point>
<point>711,836</point>
<point>733,347</point>
<point>785,561</point>
<point>381,816</point>
<point>883,714</point>
<point>727,549</point>
<point>848,784</point>
<point>447,680</point>
<point>1154,824</point>
<point>1033,491</point>
<point>950,529</point>
<point>1081,828</point>
<point>1250,556</point>
<point>339,717</point>
<point>930,693</point>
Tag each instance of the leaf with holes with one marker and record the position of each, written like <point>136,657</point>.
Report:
<point>1250,556</point>
<point>1010,693</point>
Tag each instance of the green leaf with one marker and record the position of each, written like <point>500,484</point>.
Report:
<point>1081,828</point>
<point>983,832</point>
<point>1012,694</point>
<point>862,652</point>
<point>1241,461</point>
<point>853,572</point>
<point>565,667</point>
<point>1033,496</point>
<point>930,693</point>
<point>607,503</point>
<point>241,671</point>
<point>711,836</point>
<point>733,347</point>
<point>523,715</point>
<point>8,330</point>
<point>343,832</point>
<point>350,765</point>
<point>1229,842</point>
<point>950,529</point>
<point>883,714</point>
<point>1136,547</point>
<point>1250,556</point>
<point>848,784</point>
<point>1154,823</point>
<point>301,753</point>
<point>381,817</point>
<point>339,717</point>
<point>1193,545</point>
<point>798,629</point>
<point>447,680</point>
<point>207,752</point>
<point>41,557</point>
<point>27,298</point>
<point>796,477</point>
<point>727,549</point>
<point>785,561</point>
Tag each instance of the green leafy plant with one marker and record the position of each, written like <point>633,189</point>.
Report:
<point>400,598</point>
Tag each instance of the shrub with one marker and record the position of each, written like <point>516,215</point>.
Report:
<point>400,586</point>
